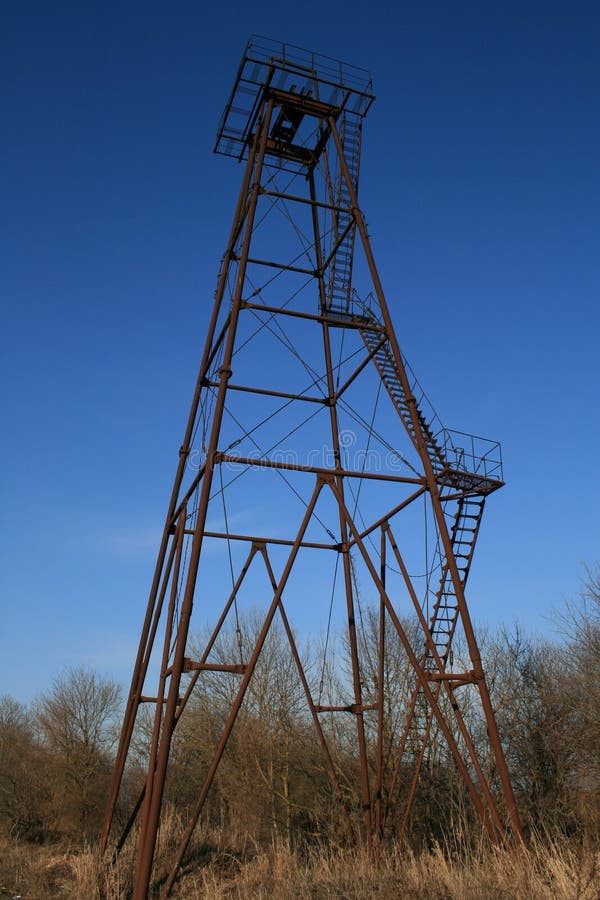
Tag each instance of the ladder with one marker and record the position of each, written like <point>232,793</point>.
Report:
<point>450,463</point>
<point>463,535</point>
<point>344,226</point>
<point>386,366</point>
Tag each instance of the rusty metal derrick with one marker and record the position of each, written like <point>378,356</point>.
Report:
<point>299,271</point>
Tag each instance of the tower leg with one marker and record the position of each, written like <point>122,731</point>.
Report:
<point>155,786</point>
<point>161,573</point>
<point>239,699</point>
<point>286,121</point>
<point>346,560</point>
<point>433,489</point>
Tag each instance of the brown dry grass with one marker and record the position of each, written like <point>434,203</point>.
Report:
<point>553,870</point>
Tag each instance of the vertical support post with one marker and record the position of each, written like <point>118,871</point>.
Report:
<point>346,561</point>
<point>493,811</point>
<point>380,693</point>
<point>422,677</point>
<point>282,141</point>
<point>152,612</point>
<point>239,699</point>
<point>160,697</point>
<point>494,736</point>
<point>311,704</point>
<point>191,685</point>
<point>153,798</point>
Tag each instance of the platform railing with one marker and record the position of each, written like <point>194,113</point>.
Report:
<point>286,67</point>
<point>324,68</point>
<point>472,453</point>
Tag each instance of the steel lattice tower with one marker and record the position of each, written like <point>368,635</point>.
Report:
<point>308,424</point>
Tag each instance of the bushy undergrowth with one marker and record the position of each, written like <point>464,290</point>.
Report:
<point>548,870</point>
<point>272,826</point>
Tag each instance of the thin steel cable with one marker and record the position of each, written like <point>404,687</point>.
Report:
<point>376,550</point>
<point>354,581</point>
<point>272,315</point>
<point>385,443</point>
<point>206,407</point>
<point>438,549</point>
<point>247,433</point>
<point>369,427</point>
<point>289,346</point>
<point>273,179</point>
<point>238,630</point>
<point>328,632</point>
<point>369,435</point>
<point>279,472</point>
<point>182,574</point>
<point>426,555</point>
<point>339,365</point>
<point>356,494</point>
<point>288,402</point>
<point>303,239</point>
<point>287,342</point>
<point>356,497</point>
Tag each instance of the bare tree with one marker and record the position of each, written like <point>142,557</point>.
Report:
<point>76,721</point>
<point>580,623</point>
<point>264,782</point>
<point>26,810</point>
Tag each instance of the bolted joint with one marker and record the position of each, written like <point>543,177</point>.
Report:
<point>325,478</point>
<point>259,545</point>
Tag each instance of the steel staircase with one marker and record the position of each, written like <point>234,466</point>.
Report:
<point>340,282</point>
<point>386,366</point>
<point>466,475</point>
<point>460,469</point>
<point>442,625</point>
<point>463,535</point>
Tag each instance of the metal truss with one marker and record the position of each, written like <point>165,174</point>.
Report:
<point>295,360</point>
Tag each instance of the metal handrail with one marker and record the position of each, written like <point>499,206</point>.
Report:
<point>463,452</point>
<point>338,84</point>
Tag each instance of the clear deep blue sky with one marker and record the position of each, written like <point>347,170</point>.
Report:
<point>481,185</point>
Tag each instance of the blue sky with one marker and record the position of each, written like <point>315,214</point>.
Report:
<point>481,186</point>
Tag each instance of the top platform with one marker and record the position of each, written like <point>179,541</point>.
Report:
<point>291,69</point>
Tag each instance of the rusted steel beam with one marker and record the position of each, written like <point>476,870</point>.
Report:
<point>334,320</point>
<point>315,470</point>
<point>299,270</point>
<point>421,676</point>
<point>360,368</point>
<point>311,704</point>
<point>390,514</point>
<point>153,799</point>
<point>357,684</point>
<point>230,536</point>
<point>433,489</point>
<point>380,696</point>
<point>308,105</point>
<point>269,393</point>
<point>295,198</point>
<point>493,823</point>
<point>239,699</point>
<point>276,127</point>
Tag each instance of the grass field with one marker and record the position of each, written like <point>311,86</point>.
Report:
<point>549,870</point>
